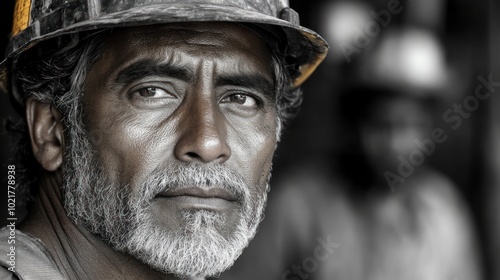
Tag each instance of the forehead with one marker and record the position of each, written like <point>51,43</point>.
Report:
<point>206,40</point>
<point>191,32</point>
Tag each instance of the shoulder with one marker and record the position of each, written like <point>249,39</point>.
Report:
<point>25,257</point>
<point>300,197</point>
<point>437,192</point>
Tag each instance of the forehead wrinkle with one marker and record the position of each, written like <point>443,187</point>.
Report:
<point>174,35</point>
<point>206,34</point>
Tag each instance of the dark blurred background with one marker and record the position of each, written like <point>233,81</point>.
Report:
<point>468,33</point>
<point>463,36</point>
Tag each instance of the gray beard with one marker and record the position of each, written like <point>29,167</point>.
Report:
<point>120,216</point>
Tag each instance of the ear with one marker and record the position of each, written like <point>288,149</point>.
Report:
<point>46,132</point>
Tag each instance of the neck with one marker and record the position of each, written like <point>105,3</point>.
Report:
<point>77,252</point>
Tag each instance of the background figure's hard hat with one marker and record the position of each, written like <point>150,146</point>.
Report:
<point>39,20</point>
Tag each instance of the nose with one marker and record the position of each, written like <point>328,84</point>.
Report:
<point>202,135</point>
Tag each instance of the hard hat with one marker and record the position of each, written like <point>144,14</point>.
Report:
<point>36,21</point>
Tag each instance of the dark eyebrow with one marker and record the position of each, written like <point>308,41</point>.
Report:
<point>256,82</point>
<point>146,68</point>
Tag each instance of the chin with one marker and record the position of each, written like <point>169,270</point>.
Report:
<point>206,245</point>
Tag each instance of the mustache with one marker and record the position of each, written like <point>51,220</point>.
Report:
<point>175,177</point>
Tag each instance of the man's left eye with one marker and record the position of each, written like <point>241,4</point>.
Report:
<point>242,99</point>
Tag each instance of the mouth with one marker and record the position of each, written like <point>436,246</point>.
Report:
<point>214,198</point>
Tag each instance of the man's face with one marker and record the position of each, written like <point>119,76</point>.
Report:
<point>180,128</point>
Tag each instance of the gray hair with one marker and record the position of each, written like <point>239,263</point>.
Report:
<point>56,80</point>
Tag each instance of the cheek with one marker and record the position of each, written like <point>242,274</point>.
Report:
<point>130,146</point>
<point>254,149</point>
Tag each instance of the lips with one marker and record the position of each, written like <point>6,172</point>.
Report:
<point>213,198</point>
<point>197,192</point>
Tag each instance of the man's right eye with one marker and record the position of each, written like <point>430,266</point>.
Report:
<point>153,95</point>
<point>154,92</point>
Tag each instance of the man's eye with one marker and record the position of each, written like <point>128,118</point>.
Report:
<point>153,92</point>
<point>242,99</point>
